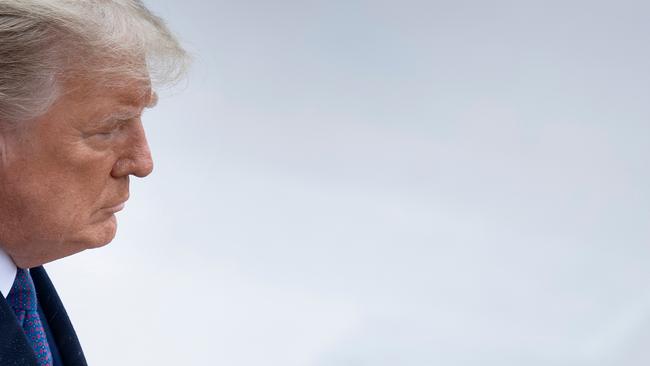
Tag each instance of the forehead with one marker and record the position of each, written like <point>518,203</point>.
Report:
<point>89,100</point>
<point>112,90</point>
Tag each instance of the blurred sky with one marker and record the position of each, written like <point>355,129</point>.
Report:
<point>412,183</point>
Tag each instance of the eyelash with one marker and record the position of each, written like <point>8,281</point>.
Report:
<point>104,134</point>
<point>120,124</point>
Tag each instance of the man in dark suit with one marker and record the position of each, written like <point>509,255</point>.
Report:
<point>75,77</point>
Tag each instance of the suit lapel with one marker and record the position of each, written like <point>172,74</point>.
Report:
<point>57,319</point>
<point>14,349</point>
<point>56,357</point>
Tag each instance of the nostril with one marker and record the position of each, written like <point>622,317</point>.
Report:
<point>139,166</point>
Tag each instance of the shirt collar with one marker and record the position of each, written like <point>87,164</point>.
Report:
<point>7,273</point>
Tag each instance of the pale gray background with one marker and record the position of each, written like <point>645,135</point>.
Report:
<point>403,183</point>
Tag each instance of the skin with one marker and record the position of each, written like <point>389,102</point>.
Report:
<point>63,174</point>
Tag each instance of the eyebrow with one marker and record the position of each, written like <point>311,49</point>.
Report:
<point>121,113</point>
<point>153,100</point>
<point>127,110</point>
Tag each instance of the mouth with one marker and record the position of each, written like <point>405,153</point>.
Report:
<point>116,208</point>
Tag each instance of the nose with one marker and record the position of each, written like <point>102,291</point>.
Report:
<point>136,159</point>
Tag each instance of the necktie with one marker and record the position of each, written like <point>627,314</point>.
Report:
<point>22,299</point>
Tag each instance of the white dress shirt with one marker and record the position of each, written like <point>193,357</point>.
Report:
<point>7,273</point>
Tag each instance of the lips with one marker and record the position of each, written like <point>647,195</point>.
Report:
<point>118,207</point>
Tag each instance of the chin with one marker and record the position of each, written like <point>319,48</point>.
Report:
<point>101,234</point>
<point>47,249</point>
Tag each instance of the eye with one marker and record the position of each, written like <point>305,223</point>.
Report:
<point>111,131</point>
<point>105,134</point>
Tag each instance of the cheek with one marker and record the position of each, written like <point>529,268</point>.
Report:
<point>55,184</point>
<point>60,199</point>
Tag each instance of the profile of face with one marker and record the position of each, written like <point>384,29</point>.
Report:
<point>65,174</point>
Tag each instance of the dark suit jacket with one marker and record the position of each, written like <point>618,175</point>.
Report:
<point>14,348</point>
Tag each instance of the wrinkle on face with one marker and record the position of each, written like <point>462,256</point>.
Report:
<point>59,173</point>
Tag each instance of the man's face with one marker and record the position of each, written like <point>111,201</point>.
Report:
<point>64,175</point>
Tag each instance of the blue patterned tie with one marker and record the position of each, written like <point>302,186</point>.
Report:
<point>22,299</point>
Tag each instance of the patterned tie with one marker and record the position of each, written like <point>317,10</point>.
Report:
<point>22,299</point>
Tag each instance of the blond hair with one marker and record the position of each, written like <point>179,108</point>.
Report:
<point>44,41</point>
